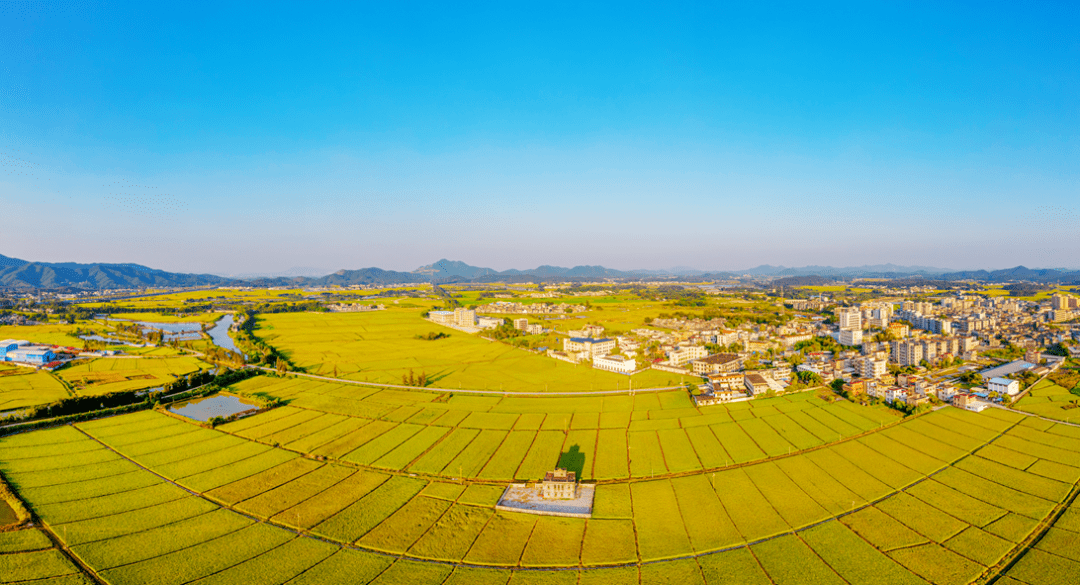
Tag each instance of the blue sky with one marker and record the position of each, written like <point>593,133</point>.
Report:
<point>259,137</point>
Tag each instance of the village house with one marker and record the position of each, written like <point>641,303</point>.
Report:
<point>726,380</point>
<point>559,485</point>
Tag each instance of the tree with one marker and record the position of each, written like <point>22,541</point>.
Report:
<point>795,360</point>
<point>282,367</point>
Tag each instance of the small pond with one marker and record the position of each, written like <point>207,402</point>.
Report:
<point>204,409</point>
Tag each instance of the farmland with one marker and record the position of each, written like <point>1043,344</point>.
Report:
<point>22,387</point>
<point>103,375</point>
<point>940,498</point>
<point>381,346</point>
<point>1052,401</point>
<point>352,482</point>
<point>510,437</point>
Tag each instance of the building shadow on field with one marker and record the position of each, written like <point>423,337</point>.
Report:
<point>573,460</point>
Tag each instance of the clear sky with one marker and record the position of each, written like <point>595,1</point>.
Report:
<point>198,137</point>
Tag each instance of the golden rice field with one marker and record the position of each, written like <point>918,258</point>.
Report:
<point>380,346</point>
<point>949,497</point>
<point>23,387</point>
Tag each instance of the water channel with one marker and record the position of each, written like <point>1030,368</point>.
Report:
<point>219,333</point>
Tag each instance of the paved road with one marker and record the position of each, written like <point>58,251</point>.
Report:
<point>464,391</point>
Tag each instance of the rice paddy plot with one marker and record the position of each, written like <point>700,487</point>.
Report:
<point>22,388</point>
<point>104,375</point>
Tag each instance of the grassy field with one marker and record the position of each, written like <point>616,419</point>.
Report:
<point>22,387</point>
<point>952,493</point>
<point>103,375</point>
<point>381,346</point>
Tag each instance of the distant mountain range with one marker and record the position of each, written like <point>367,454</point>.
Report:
<point>21,274</point>
<point>15,273</point>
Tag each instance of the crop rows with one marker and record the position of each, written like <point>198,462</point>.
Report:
<point>26,387</point>
<point>128,524</point>
<point>29,555</point>
<point>469,438</point>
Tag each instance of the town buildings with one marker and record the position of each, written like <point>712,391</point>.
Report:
<point>589,346</point>
<point>717,363</point>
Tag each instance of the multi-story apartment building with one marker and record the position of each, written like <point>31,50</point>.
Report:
<point>850,337</point>
<point>907,353</point>
<point>464,317</point>
<point>873,367</point>
<point>849,318</point>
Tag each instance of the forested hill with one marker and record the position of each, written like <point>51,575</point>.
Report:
<point>20,274</point>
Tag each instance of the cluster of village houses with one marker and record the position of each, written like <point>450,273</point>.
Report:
<point>909,334</point>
